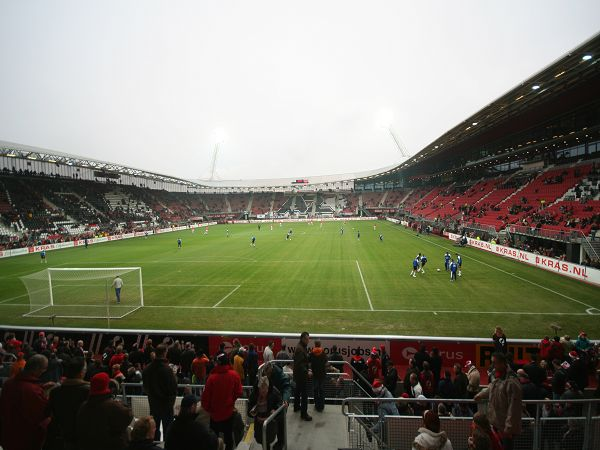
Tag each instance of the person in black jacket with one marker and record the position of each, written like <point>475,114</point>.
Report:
<point>160,385</point>
<point>187,432</point>
<point>64,402</point>
<point>319,364</point>
<point>301,376</point>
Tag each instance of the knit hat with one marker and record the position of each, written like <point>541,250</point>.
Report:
<point>431,421</point>
<point>377,386</point>
<point>573,354</point>
<point>188,401</point>
<point>374,351</point>
<point>99,384</point>
<point>468,364</point>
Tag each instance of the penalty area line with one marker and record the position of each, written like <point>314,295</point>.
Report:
<point>364,285</point>
<point>225,298</point>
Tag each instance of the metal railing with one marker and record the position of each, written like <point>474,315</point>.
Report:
<point>558,235</point>
<point>281,411</point>
<point>546,424</point>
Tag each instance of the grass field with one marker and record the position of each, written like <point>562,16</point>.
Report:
<point>320,281</point>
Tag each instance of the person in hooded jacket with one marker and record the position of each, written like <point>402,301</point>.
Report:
<point>188,432</point>
<point>319,364</point>
<point>387,408</point>
<point>430,435</point>
<point>264,400</point>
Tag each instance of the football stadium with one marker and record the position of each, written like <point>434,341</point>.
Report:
<point>448,300</point>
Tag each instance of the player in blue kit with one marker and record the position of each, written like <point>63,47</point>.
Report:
<point>459,263</point>
<point>447,261</point>
<point>43,257</point>
<point>453,269</point>
<point>415,268</point>
<point>253,241</point>
<point>179,243</point>
<point>423,262</point>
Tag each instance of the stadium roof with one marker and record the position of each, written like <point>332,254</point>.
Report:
<point>13,150</point>
<point>577,72</point>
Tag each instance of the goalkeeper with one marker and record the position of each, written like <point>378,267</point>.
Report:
<point>117,284</point>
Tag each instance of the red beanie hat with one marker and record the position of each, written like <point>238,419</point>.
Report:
<point>99,384</point>
<point>377,386</point>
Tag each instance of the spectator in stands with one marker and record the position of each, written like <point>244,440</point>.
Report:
<point>238,363</point>
<point>359,372</point>
<point>64,403</point>
<point>530,391</point>
<point>160,385</point>
<point>483,436</point>
<point>374,366</point>
<point>582,344</point>
<point>302,373</point>
<point>251,364</point>
<point>17,366</point>
<point>536,373</point>
<point>335,359</point>
<point>102,421</point>
<point>223,388</point>
<point>187,432</point>
<point>136,356</point>
<point>461,382</point>
<point>578,370</point>
<point>414,387</point>
<point>174,353</point>
<point>435,364</point>
<point>385,360</point>
<point>430,435</point>
<point>199,366</point>
<point>54,371</point>
<point>412,368</point>
<point>319,363</point>
<point>391,378</point>
<point>278,379</point>
<point>142,434</point>
<point>427,380</point>
<point>474,379</point>
<point>445,386</point>
<point>118,357</point>
<point>187,356</point>
<point>387,408</point>
<point>23,408</point>
<point>568,344</point>
<point>264,400</point>
<point>421,356</point>
<point>268,352</point>
<point>505,401</point>
<point>500,343</point>
<point>559,379</point>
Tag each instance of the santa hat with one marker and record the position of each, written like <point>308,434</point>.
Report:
<point>374,351</point>
<point>99,384</point>
<point>573,354</point>
<point>468,364</point>
<point>377,387</point>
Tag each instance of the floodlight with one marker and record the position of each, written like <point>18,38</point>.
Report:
<point>384,118</point>
<point>587,57</point>
<point>535,87</point>
<point>219,135</point>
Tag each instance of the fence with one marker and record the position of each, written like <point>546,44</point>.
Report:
<point>547,425</point>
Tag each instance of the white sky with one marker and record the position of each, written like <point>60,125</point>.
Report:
<point>295,84</point>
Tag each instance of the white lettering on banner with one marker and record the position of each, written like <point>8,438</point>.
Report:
<point>324,219</point>
<point>566,268</point>
<point>346,347</point>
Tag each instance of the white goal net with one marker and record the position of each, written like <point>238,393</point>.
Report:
<point>84,292</point>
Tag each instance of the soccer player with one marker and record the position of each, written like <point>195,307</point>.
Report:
<point>381,237</point>
<point>253,241</point>
<point>259,227</point>
<point>341,231</point>
<point>117,284</point>
<point>43,257</point>
<point>179,242</point>
<point>447,261</point>
<point>415,268</point>
<point>419,261</point>
<point>206,230</point>
<point>288,235</point>
<point>423,262</point>
<point>453,268</point>
<point>358,235</point>
<point>459,263</point>
<point>85,242</point>
<point>227,231</point>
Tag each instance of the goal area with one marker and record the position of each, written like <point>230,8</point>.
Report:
<point>83,293</point>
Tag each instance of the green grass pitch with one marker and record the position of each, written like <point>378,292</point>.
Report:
<point>320,281</point>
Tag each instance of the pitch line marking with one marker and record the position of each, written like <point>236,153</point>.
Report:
<point>364,285</point>
<point>277,308</point>
<point>504,271</point>
<point>225,298</point>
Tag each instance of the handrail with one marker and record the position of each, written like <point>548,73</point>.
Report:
<point>346,402</point>
<point>332,363</point>
<point>590,247</point>
<point>265,443</point>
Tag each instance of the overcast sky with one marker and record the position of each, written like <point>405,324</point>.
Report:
<point>296,85</point>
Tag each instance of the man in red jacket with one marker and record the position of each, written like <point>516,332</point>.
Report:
<point>223,388</point>
<point>23,408</point>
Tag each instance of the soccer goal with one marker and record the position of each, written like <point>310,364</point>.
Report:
<point>83,293</point>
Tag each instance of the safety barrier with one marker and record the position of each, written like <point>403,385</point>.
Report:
<point>546,424</point>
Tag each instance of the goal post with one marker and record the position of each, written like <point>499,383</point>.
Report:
<point>84,292</point>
